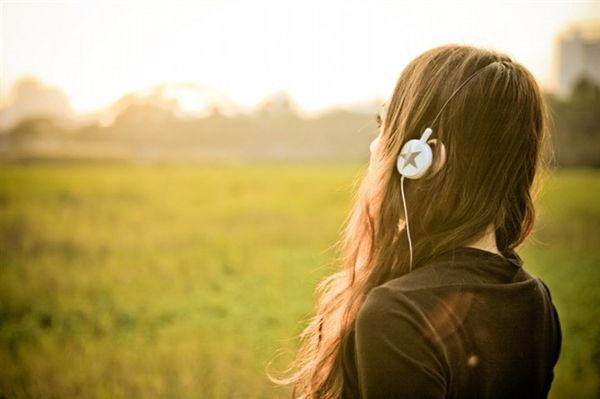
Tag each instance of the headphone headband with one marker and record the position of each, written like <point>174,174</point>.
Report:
<point>460,87</point>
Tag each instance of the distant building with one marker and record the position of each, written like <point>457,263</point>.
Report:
<point>578,55</point>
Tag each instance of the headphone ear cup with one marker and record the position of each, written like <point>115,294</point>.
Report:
<point>414,159</point>
<point>439,157</point>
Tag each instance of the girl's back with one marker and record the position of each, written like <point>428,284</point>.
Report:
<point>468,324</point>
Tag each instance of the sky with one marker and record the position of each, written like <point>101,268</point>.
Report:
<point>322,53</point>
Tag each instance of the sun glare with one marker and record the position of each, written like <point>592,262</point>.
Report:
<point>321,54</point>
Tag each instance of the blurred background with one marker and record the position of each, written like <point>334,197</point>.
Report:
<point>173,176</point>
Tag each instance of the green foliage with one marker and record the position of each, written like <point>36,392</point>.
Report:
<point>576,125</point>
<point>145,132</point>
<point>149,281</point>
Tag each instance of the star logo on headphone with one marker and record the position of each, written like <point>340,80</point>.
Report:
<point>409,158</point>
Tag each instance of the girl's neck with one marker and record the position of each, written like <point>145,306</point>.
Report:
<point>487,242</point>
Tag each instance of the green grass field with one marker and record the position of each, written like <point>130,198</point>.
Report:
<point>125,281</point>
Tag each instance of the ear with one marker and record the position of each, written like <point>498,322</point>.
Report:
<point>439,156</point>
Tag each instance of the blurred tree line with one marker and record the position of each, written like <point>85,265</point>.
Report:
<point>151,131</point>
<point>575,125</point>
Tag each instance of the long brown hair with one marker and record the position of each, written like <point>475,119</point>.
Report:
<point>493,130</point>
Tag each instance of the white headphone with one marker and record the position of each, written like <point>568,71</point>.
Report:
<point>414,160</point>
<point>416,157</point>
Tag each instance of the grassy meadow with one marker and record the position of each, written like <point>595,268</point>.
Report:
<point>126,281</point>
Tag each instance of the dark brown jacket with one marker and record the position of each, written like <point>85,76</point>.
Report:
<point>471,324</point>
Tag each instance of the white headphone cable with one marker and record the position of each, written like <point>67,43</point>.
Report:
<point>406,222</point>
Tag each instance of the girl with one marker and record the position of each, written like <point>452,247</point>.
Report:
<point>433,301</point>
